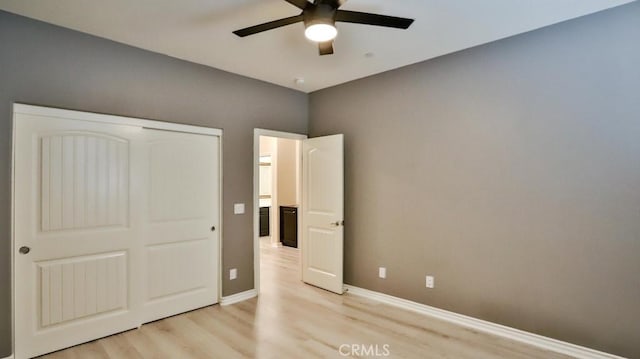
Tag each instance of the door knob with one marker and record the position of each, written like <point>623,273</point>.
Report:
<point>24,250</point>
<point>336,223</point>
<point>213,228</point>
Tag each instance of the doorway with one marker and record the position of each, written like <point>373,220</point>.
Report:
<point>320,216</point>
<point>277,192</point>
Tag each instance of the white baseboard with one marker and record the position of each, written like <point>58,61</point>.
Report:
<point>9,357</point>
<point>238,297</point>
<point>536,340</point>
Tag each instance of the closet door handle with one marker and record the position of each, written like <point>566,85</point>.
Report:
<point>213,228</point>
<point>24,250</point>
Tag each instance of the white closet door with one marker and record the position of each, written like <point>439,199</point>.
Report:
<point>181,243</point>
<point>75,232</point>
<point>114,225</point>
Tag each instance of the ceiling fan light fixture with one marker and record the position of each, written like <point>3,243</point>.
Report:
<point>321,32</point>
<point>320,17</point>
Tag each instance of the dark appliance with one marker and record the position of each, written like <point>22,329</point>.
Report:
<point>289,226</point>
<point>264,221</point>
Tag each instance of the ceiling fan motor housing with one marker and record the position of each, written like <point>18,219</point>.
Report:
<point>319,14</point>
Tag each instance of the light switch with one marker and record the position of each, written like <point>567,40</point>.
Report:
<point>382,272</point>
<point>238,208</point>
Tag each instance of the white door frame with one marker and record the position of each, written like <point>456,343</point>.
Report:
<point>111,119</point>
<point>257,132</point>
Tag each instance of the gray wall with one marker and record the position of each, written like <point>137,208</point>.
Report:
<point>47,65</point>
<point>511,172</point>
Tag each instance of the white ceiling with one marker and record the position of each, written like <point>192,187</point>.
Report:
<point>200,31</point>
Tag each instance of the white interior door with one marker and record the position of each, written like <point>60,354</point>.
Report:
<point>323,212</point>
<point>112,226</point>
<point>75,233</point>
<point>181,221</point>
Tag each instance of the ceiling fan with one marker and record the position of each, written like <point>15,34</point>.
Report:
<point>319,19</point>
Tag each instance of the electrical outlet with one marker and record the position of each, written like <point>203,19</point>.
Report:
<point>430,282</point>
<point>233,274</point>
<point>382,272</point>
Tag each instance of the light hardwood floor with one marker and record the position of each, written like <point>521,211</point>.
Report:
<point>293,320</point>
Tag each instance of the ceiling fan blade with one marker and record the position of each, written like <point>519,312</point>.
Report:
<point>326,48</point>
<point>373,19</point>
<point>300,4</point>
<point>268,26</point>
